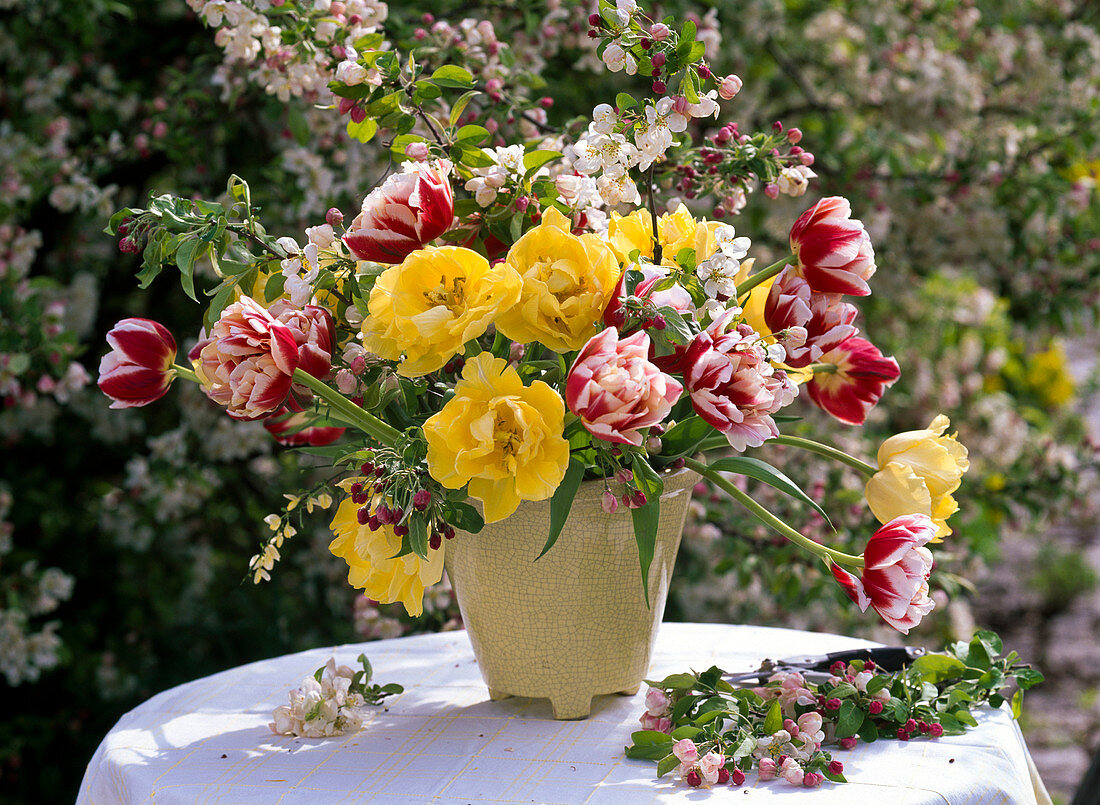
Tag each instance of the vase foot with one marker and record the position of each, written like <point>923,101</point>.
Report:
<point>498,695</point>
<point>569,707</point>
<point>631,691</point>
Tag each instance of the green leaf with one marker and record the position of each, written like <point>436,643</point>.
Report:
<point>624,101</point>
<point>766,473</point>
<point>1017,703</point>
<point>273,288</point>
<point>185,259</point>
<point>418,536</point>
<point>667,764</point>
<point>459,106</point>
<point>533,160</point>
<point>774,720</point>
<point>363,131</point>
<point>868,731</point>
<point>1027,677</point>
<point>451,75</point>
<point>687,36</point>
<point>472,134</point>
<point>392,688</point>
<point>466,518</point>
<point>685,731</point>
<point>683,437</point>
<point>937,668</point>
<point>562,502</point>
<point>877,683</point>
<point>990,641</point>
<point>645,521</point>
<point>650,738</point>
<point>677,681</point>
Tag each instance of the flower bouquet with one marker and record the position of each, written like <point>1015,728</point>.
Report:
<point>509,315</point>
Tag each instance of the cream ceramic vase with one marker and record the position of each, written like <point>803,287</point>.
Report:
<point>575,623</point>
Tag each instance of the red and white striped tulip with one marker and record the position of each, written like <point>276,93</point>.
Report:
<point>285,425</point>
<point>833,249</point>
<point>616,391</point>
<point>138,369</point>
<point>894,580</point>
<point>826,317</point>
<point>862,375</point>
<point>248,361</point>
<point>732,385</point>
<point>407,212</point>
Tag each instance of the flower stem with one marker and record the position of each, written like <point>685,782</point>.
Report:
<point>827,451</point>
<point>184,372</point>
<point>349,411</point>
<point>760,276</point>
<point>769,519</point>
<point>657,251</point>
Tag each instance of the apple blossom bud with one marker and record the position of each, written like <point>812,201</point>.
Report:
<point>334,217</point>
<point>806,158</point>
<point>729,87</point>
<point>418,151</point>
<point>659,32</point>
<point>358,114</point>
<point>659,60</point>
<point>771,190</point>
<point>794,136</point>
<point>659,87</point>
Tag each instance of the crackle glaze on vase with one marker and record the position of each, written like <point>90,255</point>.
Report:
<point>575,623</point>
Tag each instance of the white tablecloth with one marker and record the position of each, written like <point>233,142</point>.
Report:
<point>443,741</point>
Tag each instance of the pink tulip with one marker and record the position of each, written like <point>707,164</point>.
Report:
<point>616,391</point>
<point>894,581</point>
<point>314,334</point>
<point>408,211</point>
<point>833,249</point>
<point>826,318</point>
<point>138,369</point>
<point>862,375</point>
<point>247,362</point>
<point>732,385</point>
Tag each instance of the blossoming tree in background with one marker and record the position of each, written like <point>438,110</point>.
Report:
<point>995,150</point>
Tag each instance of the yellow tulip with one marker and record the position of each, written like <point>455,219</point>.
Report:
<point>429,306</point>
<point>567,282</point>
<point>503,438</point>
<point>372,566</point>
<point>919,470</point>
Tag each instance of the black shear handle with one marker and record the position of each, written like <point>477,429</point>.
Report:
<point>888,658</point>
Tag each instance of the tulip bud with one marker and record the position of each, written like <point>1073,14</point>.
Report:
<point>138,369</point>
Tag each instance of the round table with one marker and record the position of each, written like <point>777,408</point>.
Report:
<point>444,741</point>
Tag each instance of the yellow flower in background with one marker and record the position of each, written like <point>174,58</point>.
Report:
<point>371,565</point>
<point>676,230</point>
<point>1049,377</point>
<point>919,469</point>
<point>503,438</point>
<point>567,282</point>
<point>430,305</point>
<point>1085,170</point>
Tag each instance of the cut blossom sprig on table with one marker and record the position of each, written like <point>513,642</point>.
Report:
<point>712,733</point>
<point>333,701</point>
<point>503,347</point>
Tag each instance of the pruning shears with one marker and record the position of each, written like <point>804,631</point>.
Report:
<point>815,668</point>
